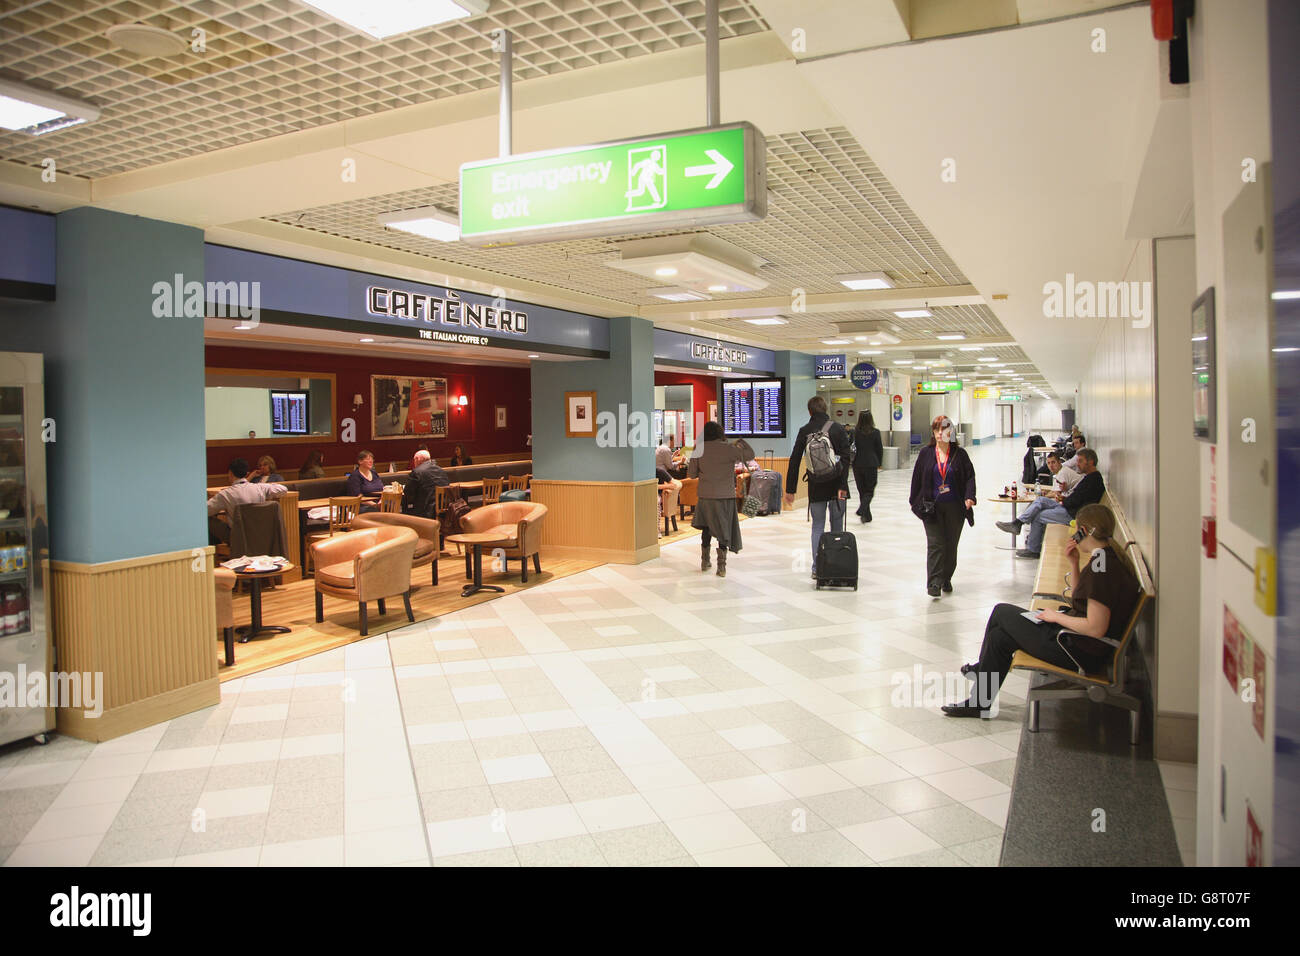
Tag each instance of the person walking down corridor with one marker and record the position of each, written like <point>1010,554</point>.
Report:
<point>713,462</point>
<point>943,495</point>
<point>866,463</point>
<point>825,445</point>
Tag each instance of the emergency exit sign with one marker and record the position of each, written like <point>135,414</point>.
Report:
<point>692,178</point>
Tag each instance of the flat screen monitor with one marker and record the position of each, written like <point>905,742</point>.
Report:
<point>754,408</point>
<point>289,413</point>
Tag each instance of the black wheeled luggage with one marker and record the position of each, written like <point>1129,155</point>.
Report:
<point>837,560</point>
<point>766,487</point>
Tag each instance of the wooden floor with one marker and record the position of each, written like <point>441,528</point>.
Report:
<point>293,605</point>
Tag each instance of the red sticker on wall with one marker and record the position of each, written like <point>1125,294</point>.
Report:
<point>1254,839</point>
<point>1231,647</point>
<point>1258,671</point>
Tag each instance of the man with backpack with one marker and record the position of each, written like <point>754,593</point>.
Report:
<point>825,445</point>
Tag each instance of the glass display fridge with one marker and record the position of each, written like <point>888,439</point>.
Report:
<point>26,645</point>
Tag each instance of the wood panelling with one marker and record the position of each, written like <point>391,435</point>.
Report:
<point>147,625</point>
<point>615,521</point>
<point>381,462</point>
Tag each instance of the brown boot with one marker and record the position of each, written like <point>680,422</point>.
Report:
<point>722,562</point>
<point>704,558</point>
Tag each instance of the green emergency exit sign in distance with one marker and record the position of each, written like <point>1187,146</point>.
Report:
<point>690,178</point>
<point>938,388</point>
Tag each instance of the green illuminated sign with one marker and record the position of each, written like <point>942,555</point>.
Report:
<point>691,178</point>
<point>938,388</point>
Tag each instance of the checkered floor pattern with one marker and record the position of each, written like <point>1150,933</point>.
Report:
<point>626,716</point>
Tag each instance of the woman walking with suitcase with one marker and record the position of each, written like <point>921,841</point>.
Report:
<point>866,463</point>
<point>943,496</point>
<point>714,463</point>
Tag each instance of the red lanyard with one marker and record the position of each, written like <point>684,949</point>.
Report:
<point>942,465</point>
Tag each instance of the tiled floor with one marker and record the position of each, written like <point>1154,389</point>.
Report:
<point>1180,790</point>
<point>657,716</point>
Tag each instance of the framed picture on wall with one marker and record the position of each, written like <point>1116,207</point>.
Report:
<point>579,414</point>
<point>501,417</point>
<point>1204,373</point>
<point>404,407</point>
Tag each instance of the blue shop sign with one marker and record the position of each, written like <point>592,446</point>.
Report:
<point>829,366</point>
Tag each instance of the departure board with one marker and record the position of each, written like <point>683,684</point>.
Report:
<point>754,408</point>
<point>289,413</point>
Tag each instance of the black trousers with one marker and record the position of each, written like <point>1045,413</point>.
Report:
<point>1007,632</point>
<point>942,532</point>
<point>865,479</point>
<point>218,531</point>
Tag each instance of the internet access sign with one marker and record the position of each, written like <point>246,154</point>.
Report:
<point>695,177</point>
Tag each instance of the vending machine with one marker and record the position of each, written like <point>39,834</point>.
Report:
<point>26,645</point>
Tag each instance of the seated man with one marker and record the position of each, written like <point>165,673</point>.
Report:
<point>240,492</point>
<point>664,455</point>
<point>419,497</point>
<point>1101,606</point>
<point>1058,508</point>
<point>1065,478</point>
<point>1077,441</point>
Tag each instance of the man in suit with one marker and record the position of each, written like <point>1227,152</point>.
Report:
<point>419,496</point>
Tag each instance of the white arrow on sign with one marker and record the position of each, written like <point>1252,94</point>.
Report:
<point>718,169</point>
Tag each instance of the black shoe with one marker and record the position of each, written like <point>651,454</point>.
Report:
<point>968,670</point>
<point>867,519</point>
<point>947,587</point>
<point>1010,527</point>
<point>1026,553</point>
<point>964,709</point>
<point>932,591</point>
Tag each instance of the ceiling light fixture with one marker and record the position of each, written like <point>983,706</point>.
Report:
<point>381,19</point>
<point>862,281</point>
<point>144,40</point>
<point>534,356</point>
<point>870,352</point>
<point>695,261</point>
<point>367,340</point>
<point>971,348</point>
<point>883,338</point>
<point>950,336</point>
<point>718,288</point>
<point>677,293</point>
<point>768,321</point>
<point>835,341</point>
<point>430,222</point>
<point>35,111</point>
<point>914,314</point>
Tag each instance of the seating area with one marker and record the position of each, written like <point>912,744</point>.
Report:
<point>1052,588</point>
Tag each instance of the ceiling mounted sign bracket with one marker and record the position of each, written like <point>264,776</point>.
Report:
<point>501,42</point>
<point>712,64</point>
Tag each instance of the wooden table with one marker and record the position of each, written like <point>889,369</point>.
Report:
<point>256,627</point>
<point>469,486</point>
<point>476,542</point>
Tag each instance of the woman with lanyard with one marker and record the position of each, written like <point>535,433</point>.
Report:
<point>943,495</point>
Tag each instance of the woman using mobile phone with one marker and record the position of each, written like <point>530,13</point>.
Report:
<point>1105,593</point>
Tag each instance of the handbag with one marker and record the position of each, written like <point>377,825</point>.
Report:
<point>924,509</point>
<point>750,506</point>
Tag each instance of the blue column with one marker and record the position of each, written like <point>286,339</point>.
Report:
<point>125,390</point>
<point>797,369</point>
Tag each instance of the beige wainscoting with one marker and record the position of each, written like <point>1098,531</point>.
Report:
<point>614,521</point>
<point>148,625</point>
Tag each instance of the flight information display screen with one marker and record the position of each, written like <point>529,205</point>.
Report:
<point>289,413</point>
<point>754,408</point>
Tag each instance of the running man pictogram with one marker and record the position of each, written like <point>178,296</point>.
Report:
<point>647,172</point>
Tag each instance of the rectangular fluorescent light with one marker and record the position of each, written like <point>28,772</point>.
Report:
<point>36,111</point>
<point>870,352</point>
<point>950,336</point>
<point>835,341</point>
<point>988,358</point>
<point>381,19</point>
<point>902,361</point>
<point>427,221</point>
<point>677,293</point>
<point>971,348</point>
<point>1286,294</point>
<point>862,281</point>
<point>771,321</point>
<point>914,314</point>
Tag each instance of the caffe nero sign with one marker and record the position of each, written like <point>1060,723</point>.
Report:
<point>458,316</point>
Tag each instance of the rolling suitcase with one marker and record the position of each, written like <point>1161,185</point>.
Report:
<point>766,487</point>
<point>837,560</point>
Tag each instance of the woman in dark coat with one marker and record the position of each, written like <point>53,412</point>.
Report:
<point>714,463</point>
<point>943,496</point>
<point>866,462</point>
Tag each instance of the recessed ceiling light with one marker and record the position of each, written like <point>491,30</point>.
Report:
<point>367,340</point>
<point>870,352</point>
<point>427,221</point>
<point>914,314</point>
<point>950,336</point>
<point>244,328</point>
<point>988,358</point>
<point>677,293</point>
<point>902,361</point>
<point>718,288</point>
<point>861,281</point>
<point>1286,294</point>
<point>144,40</point>
<point>835,341</point>
<point>665,271</point>
<point>768,321</point>
<point>971,348</point>
<point>386,18</point>
<point>534,356</point>
<point>36,111</point>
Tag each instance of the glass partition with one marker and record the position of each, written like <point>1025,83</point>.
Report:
<point>268,406</point>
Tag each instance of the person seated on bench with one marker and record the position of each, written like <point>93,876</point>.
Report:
<point>1077,441</point>
<point>1104,597</point>
<point>419,497</point>
<point>1058,508</point>
<point>1059,474</point>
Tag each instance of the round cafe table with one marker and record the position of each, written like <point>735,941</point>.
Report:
<point>1019,500</point>
<point>477,541</point>
<point>249,631</point>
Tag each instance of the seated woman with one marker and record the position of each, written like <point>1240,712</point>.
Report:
<point>1105,593</point>
<point>363,481</point>
<point>313,467</point>
<point>265,471</point>
<point>458,457</point>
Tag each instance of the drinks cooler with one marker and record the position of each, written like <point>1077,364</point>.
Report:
<point>26,646</point>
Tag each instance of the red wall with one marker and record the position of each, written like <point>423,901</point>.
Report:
<point>475,427</point>
<point>704,389</point>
